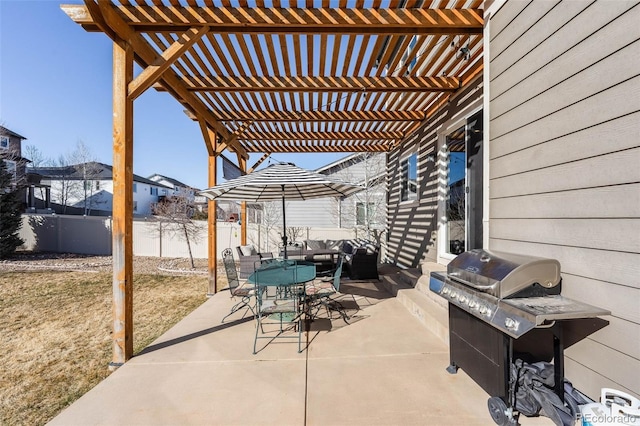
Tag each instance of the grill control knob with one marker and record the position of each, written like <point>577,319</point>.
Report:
<point>511,324</point>
<point>462,299</point>
<point>445,290</point>
<point>454,294</point>
<point>473,304</point>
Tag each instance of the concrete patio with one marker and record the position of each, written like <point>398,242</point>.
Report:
<point>383,368</point>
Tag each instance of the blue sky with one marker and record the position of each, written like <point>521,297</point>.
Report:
<point>55,90</point>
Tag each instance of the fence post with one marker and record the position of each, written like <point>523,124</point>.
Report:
<point>160,237</point>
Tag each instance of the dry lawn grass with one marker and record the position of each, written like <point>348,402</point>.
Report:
<point>56,333</point>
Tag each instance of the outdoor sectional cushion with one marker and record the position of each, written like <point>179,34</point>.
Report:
<point>316,245</point>
<point>248,250</point>
<point>346,246</point>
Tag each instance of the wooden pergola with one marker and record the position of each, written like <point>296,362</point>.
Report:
<point>276,77</point>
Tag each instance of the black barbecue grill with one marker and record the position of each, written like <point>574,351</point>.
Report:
<point>501,304</point>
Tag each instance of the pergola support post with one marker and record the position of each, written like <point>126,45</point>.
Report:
<point>213,230</point>
<point>122,249</point>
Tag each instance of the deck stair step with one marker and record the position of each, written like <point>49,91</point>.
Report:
<point>432,315</point>
<point>411,288</point>
<point>410,276</point>
<point>394,283</point>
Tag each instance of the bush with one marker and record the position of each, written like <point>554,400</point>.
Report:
<point>10,213</point>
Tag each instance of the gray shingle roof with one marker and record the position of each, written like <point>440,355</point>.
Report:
<point>97,171</point>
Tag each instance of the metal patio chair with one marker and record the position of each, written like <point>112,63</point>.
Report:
<point>244,291</point>
<point>320,290</point>
<point>278,305</point>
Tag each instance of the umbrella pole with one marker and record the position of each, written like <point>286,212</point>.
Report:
<point>284,225</point>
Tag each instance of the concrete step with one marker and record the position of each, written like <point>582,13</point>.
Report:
<point>394,283</point>
<point>411,288</point>
<point>432,315</point>
<point>410,276</point>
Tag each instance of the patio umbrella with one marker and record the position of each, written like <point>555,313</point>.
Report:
<point>281,181</point>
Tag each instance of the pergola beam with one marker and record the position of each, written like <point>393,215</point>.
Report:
<point>247,20</point>
<point>337,136</point>
<point>302,147</point>
<point>153,72</point>
<point>322,84</point>
<point>309,116</point>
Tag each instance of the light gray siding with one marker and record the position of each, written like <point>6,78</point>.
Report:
<point>413,225</point>
<point>564,153</point>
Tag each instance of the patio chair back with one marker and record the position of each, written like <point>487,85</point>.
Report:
<point>230,269</point>
<point>337,274</point>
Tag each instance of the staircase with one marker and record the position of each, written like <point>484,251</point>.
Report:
<point>411,288</point>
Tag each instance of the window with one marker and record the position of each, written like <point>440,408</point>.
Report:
<point>11,168</point>
<point>4,142</point>
<point>97,185</point>
<point>154,191</point>
<point>135,187</point>
<point>463,151</point>
<point>456,188</point>
<point>135,206</point>
<point>409,181</point>
<point>365,213</point>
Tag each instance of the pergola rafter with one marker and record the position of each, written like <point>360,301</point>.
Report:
<point>314,76</point>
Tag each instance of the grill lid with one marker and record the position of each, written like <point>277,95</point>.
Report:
<point>503,274</point>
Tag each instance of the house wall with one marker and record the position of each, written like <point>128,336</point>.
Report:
<point>14,153</point>
<point>102,198</point>
<point>564,102</point>
<point>178,190</point>
<point>326,212</point>
<point>413,225</point>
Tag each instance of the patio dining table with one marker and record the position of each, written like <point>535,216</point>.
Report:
<point>287,302</point>
<point>283,272</point>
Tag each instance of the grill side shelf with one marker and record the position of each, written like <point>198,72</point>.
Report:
<point>552,308</point>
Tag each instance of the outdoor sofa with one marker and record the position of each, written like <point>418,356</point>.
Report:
<point>361,256</point>
<point>249,258</point>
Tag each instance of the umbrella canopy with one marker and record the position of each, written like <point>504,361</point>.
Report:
<point>278,180</point>
<point>281,181</point>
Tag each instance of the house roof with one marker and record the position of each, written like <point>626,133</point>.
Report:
<point>12,157</point>
<point>350,160</point>
<point>272,77</point>
<point>5,131</point>
<point>96,171</point>
<point>173,181</point>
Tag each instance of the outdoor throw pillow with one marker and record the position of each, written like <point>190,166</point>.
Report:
<point>247,250</point>
<point>315,245</point>
<point>347,248</point>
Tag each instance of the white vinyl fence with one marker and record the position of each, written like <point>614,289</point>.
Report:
<point>92,235</point>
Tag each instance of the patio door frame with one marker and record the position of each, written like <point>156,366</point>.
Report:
<point>474,176</point>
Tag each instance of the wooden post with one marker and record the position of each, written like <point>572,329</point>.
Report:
<point>122,205</point>
<point>213,234</point>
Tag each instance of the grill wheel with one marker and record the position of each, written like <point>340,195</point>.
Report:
<point>498,412</point>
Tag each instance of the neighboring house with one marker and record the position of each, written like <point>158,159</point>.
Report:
<point>547,150</point>
<point>364,210</point>
<point>177,188</point>
<point>88,189</point>
<point>11,154</point>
